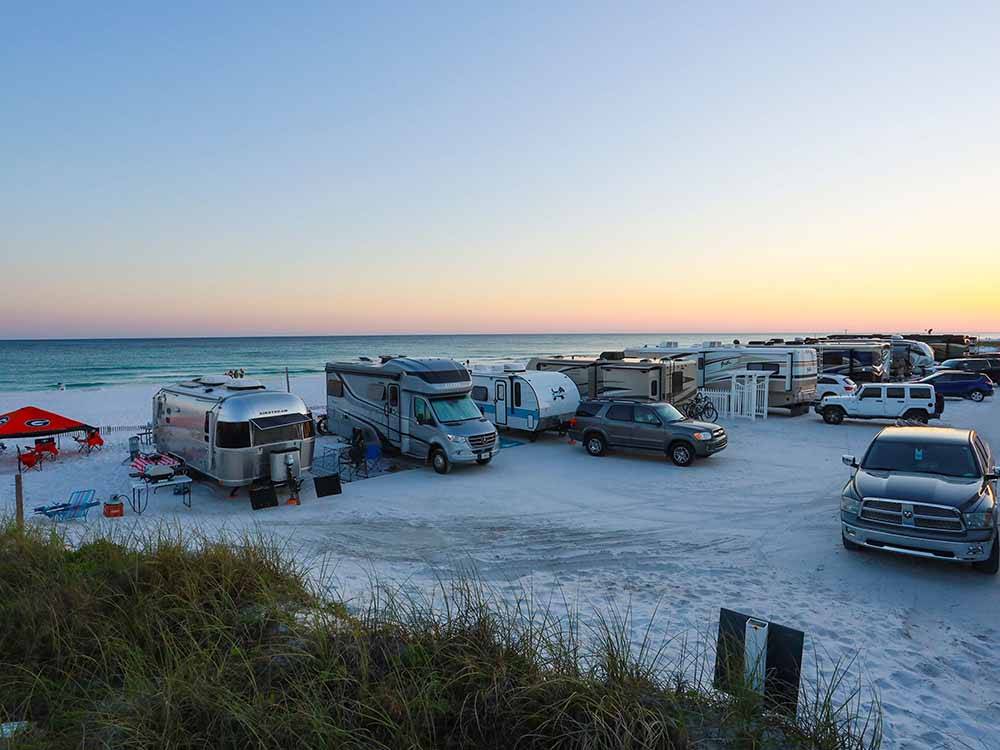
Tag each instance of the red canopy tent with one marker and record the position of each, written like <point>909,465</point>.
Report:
<point>30,422</point>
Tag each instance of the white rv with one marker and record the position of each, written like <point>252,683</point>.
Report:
<point>227,429</point>
<point>792,384</point>
<point>867,361</point>
<point>420,407</point>
<point>612,375</point>
<point>520,399</point>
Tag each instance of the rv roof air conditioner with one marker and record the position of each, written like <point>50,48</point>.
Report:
<point>211,380</point>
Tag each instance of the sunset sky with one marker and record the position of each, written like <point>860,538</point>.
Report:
<point>226,168</point>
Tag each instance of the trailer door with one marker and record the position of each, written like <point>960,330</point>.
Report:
<point>392,418</point>
<point>500,401</point>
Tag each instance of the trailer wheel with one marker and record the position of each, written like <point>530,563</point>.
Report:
<point>323,425</point>
<point>833,415</point>
<point>440,462</point>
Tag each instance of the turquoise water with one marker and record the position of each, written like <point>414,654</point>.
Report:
<point>36,365</point>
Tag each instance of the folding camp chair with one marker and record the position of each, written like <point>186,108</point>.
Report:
<point>46,445</point>
<point>373,459</point>
<point>79,503</point>
<point>29,459</point>
<point>93,441</point>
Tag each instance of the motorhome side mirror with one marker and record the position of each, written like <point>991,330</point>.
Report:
<point>995,474</point>
<point>849,461</point>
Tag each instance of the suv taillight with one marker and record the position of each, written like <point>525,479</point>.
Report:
<point>848,388</point>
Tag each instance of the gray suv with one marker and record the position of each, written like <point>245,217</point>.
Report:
<point>926,492</point>
<point>612,423</point>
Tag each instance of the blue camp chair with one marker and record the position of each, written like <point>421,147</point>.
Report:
<point>373,459</point>
<point>79,503</point>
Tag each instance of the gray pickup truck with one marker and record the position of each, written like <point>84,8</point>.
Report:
<point>651,426</point>
<point>926,492</point>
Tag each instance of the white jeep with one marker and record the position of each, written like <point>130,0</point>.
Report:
<point>916,402</point>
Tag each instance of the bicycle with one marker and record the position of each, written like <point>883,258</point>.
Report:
<point>701,407</point>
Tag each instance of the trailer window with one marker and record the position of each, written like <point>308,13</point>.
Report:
<point>335,387</point>
<point>654,388</point>
<point>273,435</point>
<point>517,393</point>
<point>232,434</point>
<point>480,393</point>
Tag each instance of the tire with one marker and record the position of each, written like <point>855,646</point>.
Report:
<point>532,436</point>
<point>833,415</point>
<point>848,544</point>
<point>991,565</point>
<point>915,415</point>
<point>484,461</point>
<point>595,444</point>
<point>681,454</point>
<point>440,462</point>
<point>709,413</point>
<point>977,396</point>
<point>323,425</point>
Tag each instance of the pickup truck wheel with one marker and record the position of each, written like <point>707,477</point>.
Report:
<point>833,415</point>
<point>848,544</point>
<point>681,454</point>
<point>991,565</point>
<point>595,444</point>
<point>440,461</point>
<point>977,396</point>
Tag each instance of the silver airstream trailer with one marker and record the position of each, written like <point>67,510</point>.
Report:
<point>234,431</point>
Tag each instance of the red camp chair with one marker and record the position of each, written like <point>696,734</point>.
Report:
<point>92,442</point>
<point>46,445</point>
<point>29,459</point>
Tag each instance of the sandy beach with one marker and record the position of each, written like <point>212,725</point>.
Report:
<point>753,529</point>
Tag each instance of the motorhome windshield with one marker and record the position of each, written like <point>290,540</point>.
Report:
<point>455,409</point>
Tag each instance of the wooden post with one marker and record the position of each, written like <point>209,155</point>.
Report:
<point>288,383</point>
<point>19,499</point>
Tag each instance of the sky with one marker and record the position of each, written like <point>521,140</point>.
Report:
<point>336,168</point>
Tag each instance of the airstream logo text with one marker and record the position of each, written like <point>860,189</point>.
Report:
<point>272,411</point>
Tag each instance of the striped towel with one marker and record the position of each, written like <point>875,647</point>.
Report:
<point>153,459</point>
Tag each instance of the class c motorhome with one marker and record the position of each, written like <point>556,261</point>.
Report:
<point>420,407</point>
<point>613,375</point>
<point>227,429</point>
<point>792,384</point>
<point>517,398</point>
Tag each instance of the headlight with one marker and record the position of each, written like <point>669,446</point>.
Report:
<point>456,438</point>
<point>982,520</point>
<point>850,505</point>
<point>702,436</point>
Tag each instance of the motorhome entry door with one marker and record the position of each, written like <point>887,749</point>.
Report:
<point>392,421</point>
<point>501,403</point>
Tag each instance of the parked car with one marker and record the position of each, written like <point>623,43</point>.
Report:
<point>915,402</point>
<point>618,423</point>
<point>989,366</point>
<point>830,384</point>
<point>926,492</point>
<point>971,385</point>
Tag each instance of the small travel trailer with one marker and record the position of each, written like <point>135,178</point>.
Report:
<point>792,384</point>
<point>420,407</point>
<point>520,399</point>
<point>234,431</point>
<point>613,375</point>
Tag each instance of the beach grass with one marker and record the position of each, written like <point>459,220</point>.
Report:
<point>175,640</point>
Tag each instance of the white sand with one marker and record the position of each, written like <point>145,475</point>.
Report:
<point>755,529</point>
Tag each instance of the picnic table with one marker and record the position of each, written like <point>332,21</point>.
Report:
<point>153,471</point>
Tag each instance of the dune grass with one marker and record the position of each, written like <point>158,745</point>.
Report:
<point>177,641</point>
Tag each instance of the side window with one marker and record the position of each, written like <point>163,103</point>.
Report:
<point>335,387</point>
<point>501,391</point>
<point>645,415</point>
<point>421,411</point>
<point>621,413</point>
<point>764,366</point>
<point>871,392</point>
<point>825,381</point>
<point>480,393</point>
<point>588,408</point>
<point>833,358</point>
<point>920,393</point>
<point>654,388</point>
<point>393,396</point>
<point>376,392</point>
<point>895,393</point>
<point>517,393</point>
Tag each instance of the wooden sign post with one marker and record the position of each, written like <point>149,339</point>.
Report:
<point>19,499</point>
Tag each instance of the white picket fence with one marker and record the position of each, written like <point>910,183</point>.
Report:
<point>744,396</point>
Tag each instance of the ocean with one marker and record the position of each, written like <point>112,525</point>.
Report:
<point>92,363</point>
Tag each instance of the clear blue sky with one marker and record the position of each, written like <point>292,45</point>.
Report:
<point>450,167</point>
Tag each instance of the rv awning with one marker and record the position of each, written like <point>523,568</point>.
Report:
<point>30,421</point>
<point>279,420</point>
